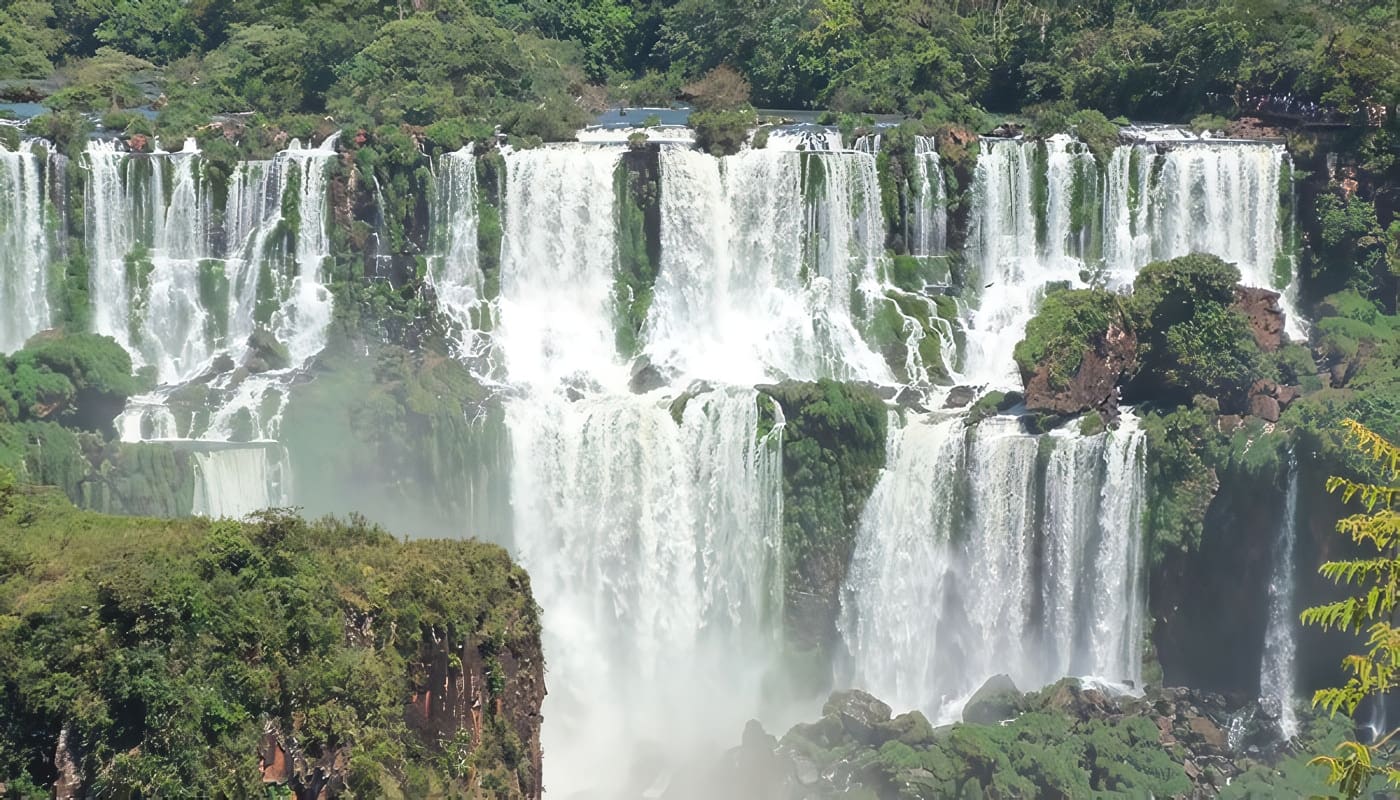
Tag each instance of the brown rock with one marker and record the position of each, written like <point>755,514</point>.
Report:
<point>1264,407</point>
<point>1265,316</point>
<point>1228,423</point>
<point>1209,733</point>
<point>1286,395</point>
<point>1094,385</point>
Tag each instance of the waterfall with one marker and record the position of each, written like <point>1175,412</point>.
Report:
<point>24,249</point>
<point>558,262</point>
<point>769,266</point>
<point>1277,669</point>
<point>1044,212</point>
<point>973,560</point>
<point>454,270</point>
<point>235,481</point>
<point>653,547</point>
<point>178,283</point>
<point>930,220</point>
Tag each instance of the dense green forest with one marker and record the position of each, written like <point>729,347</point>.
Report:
<point>537,64</point>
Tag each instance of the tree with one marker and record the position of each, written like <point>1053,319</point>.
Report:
<point>1369,611</point>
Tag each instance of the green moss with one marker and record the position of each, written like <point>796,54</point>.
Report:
<point>636,191</point>
<point>213,297</point>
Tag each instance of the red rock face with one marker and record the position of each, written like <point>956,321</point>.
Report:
<point>1265,316</point>
<point>455,695</point>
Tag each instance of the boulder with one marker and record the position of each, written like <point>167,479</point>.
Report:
<point>860,714</point>
<point>1264,407</point>
<point>265,353</point>
<point>1208,736</point>
<point>910,398</point>
<point>645,377</point>
<point>1266,318</point>
<point>997,700</point>
<point>960,396</point>
<point>1094,384</point>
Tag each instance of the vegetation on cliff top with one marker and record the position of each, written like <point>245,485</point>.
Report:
<point>160,652</point>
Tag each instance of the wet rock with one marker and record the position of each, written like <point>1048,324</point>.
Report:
<point>1211,738</point>
<point>997,700</point>
<point>646,376</point>
<point>910,398</point>
<point>960,397</point>
<point>860,714</point>
<point>265,353</point>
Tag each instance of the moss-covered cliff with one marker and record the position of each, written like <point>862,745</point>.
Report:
<point>154,658</point>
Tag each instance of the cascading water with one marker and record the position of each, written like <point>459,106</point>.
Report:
<point>769,266</point>
<point>234,481</point>
<point>558,262</point>
<point>177,283</point>
<point>653,548</point>
<point>1277,669</point>
<point>1044,212</point>
<point>24,248</point>
<point>929,234</point>
<point>182,284</point>
<point>971,560</point>
<point>651,535</point>
<point>455,269</point>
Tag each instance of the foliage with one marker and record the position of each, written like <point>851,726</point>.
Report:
<point>1190,340</point>
<point>103,81</point>
<point>28,39</point>
<point>160,647</point>
<point>82,379</point>
<point>722,132</point>
<point>1369,610</point>
<point>722,89</point>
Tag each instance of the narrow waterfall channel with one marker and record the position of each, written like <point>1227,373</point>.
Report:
<point>24,248</point>
<point>1278,668</point>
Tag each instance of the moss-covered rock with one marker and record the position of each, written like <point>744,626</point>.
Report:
<point>833,450</point>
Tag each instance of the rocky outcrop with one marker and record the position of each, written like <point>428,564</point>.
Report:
<point>997,700</point>
<point>463,684</point>
<point>1069,740</point>
<point>1266,318</point>
<point>1093,386</point>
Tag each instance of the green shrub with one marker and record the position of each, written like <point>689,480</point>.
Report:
<point>722,133</point>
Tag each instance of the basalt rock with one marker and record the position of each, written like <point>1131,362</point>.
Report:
<point>1094,384</point>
